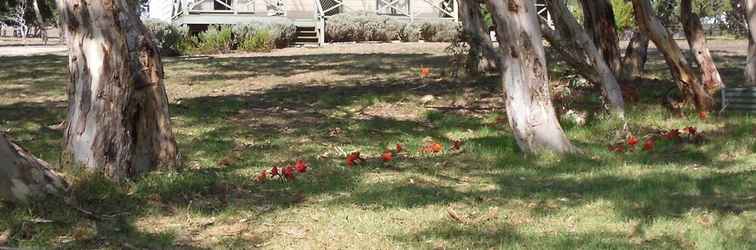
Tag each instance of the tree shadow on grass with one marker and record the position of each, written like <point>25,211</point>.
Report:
<point>496,235</point>
<point>35,75</point>
<point>364,65</point>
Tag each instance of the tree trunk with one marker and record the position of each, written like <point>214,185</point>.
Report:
<point>636,54</point>
<point>22,175</point>
<point>570,39</point>
<point>482,54</point>
<point>750,70</point>
<point>40,21</point>
<point>683,73</point>
<point>598,19</point>
<point>694,32</point>
<point>522,62</point>
<point>118,121</point>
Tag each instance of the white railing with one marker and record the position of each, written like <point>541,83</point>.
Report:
<point>186,7</point>
<point>543,13</point>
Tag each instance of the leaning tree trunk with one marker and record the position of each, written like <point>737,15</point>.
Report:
<point>634,62</point>
<point>23,176</point>
<point>683,73</point>
<point>40,20</point>
<point>118,120</point>
<point>694,32</point>
<point>482,53</point>
<point>522,62</point>
<point>574,43</point>
<point>750,70</point>
<point>598,19</point>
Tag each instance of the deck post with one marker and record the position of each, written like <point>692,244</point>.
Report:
<point>455,3</point>
<point>411,10</point>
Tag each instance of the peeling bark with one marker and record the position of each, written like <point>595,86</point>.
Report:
<point>683,73</point>
<point>23,176</point>
<point>694,32</point>
<point>525,78</point>
<point>598,20</point>
<point>750,70</point>
<point>634,62</point>
<point>482,53</point>
<point>579,50</point>
<point>118,121</point>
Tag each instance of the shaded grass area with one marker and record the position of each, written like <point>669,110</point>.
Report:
<point>236,117</point>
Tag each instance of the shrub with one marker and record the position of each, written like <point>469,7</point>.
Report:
<point>362,27</point>
<point>342,28</point>
<point>279,34</point>
<point>261,41</point>
<point>410,32</point>
<point>439,31</point>
<point>217,39</point>
<point>170,38</point>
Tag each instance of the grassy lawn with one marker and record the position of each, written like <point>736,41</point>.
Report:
<point>236,116</point>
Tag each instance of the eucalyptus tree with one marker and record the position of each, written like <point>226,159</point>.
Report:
<point>685,78</point>
<point>524,76</point>
<point>118,121</point>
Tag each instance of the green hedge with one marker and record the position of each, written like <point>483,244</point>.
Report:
<point>370,27</point>
<point>171,39</point>
<point>258,36</point>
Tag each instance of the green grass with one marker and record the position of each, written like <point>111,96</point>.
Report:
<point>258,112</point>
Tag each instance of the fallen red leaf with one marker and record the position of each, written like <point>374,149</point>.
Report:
<point>274,171</point>
<point>353,159</point>
<point>703,115</point>
<point>648,145</point>
<point>288,172</point>
<point>691,130</point>
<point>301,166</point>
<point>632,140</point>
<point>424,72</point>
<point>263,176</point>
<point>398,148</point>
<point>672,134</point>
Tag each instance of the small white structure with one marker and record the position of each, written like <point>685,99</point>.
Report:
<point>160,10</point>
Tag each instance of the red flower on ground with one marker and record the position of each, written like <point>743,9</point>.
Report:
<point>398,148</point>
<point>432,147</point>
<point>301,166</point>
<point>617,148</point>
<point>387,156</point>
<point>672,134</point>
<point>263,176</point>
<point>288,172</point>
<point>632,140</point>
<point>274,171</point>
<point>353,159</point>
<point>424,72</point>
<point>691,130</point>
<point>648,145</point>
<point>703,115</point>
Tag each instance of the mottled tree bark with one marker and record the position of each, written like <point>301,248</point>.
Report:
<point>685,78</point>
<point>525,78</point>
<point>118,121</point>
<point>40,20</point>
<point>634,62</point>
<point>750,70</point>
<point>598,20</point>
<point>23,176</point>
<point>482,53</point>
<point>579,50</point>
<point>694,32</point>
